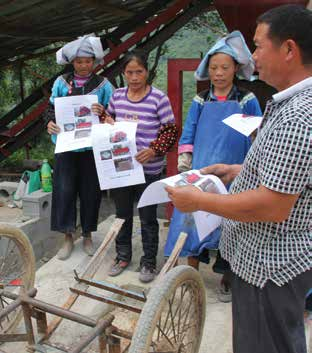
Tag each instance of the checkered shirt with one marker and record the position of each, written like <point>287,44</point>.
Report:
<point>279,159</point>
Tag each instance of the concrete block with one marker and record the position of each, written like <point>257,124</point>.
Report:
<point>37,204</point>
<point>42,239</point>
<point>7,189</point>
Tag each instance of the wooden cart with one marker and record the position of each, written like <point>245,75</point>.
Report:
<point>170,317</point>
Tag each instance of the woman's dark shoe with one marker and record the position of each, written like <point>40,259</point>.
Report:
<point>147,273</point>
<point>118,267</point>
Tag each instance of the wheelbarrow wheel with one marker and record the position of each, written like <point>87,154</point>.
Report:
<point>172,319</point>
<point>17,270</point>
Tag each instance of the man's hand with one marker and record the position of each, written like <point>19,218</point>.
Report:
<point>145,155</point>
<point>52,128</point>
<point>226,172</point>
<point>184,198</point>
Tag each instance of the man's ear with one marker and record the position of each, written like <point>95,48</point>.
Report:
<point>291,49</point>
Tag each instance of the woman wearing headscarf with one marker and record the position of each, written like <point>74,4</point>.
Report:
<point>74,173</point>
<point>206,140</point>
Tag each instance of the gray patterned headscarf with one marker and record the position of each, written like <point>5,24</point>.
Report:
<point>86,46</point>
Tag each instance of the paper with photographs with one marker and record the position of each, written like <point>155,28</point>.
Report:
<point>114,148</point>
<point>205,222</point>
<point>245,124</point>
<point>74,117</point>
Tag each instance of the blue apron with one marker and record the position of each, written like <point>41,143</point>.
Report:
<point>214,142</point>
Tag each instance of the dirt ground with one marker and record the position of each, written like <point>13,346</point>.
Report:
<point>54,278</point>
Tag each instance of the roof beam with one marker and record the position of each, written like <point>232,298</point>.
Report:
<point>101,5</point>
<point>165,33</point>
<point>172,19</point>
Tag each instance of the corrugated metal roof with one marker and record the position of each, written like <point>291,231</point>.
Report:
<point>28,25</point>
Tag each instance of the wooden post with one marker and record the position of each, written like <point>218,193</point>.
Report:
<point>114,345</point>
<point>29,328</point>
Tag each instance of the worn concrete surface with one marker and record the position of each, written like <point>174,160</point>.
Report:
<point>55,277</point>
<point>34,221</point>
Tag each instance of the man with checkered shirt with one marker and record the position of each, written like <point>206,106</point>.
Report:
<point>267,228</point>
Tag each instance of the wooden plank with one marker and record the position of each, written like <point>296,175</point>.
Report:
<point>146,29</point>
<point>173,258</point>
<point>89,272</point>
<point>26,136</point>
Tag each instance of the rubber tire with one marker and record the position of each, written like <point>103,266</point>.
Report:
<point>26,251</point>
<point>156,302</point>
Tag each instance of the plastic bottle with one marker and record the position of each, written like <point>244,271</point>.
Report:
<point>46,176</point>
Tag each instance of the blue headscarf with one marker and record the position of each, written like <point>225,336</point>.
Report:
<point>234,45</point>
<point>86,46</point>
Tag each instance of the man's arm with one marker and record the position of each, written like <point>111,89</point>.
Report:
<point>258,205</point>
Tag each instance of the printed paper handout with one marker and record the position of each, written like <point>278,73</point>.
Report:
<point>74,117</point>
<point>205,222</point>
<point>114,148</point>
<point>245,124</point>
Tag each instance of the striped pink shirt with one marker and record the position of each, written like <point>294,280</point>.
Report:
<point>151,112</point>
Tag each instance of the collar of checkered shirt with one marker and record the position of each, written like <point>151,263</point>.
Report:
<point>290,91</point>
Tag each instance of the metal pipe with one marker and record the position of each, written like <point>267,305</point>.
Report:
<point>106,300</point>
<point>11,307</point>
<point>121,333</point>
<point>55,310</point>
<point>99,329</point>
<point>111,288</point>
<point>17,301</point>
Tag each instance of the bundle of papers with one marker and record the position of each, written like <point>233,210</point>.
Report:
<point>205,222</point>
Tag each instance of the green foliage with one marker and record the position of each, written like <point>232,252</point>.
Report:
<point>41,148</point>
<point>34,72</point>
<point>192,41</point>
<point>8,93</point>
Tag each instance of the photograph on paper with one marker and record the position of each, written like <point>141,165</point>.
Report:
<point>75,118</point>
<point>82,110</point>
<point>82,133</point>
<point>117,136</point>
<point>121,149</point>
<point>107,154</point>
<point>123,164</point>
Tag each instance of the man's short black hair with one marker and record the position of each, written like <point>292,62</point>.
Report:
<point>291,22</point>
